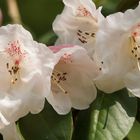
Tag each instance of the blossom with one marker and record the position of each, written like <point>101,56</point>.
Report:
<point>25,74</point>
<point>78,24</point>
<point>72,79</point>
<point>118,52</point>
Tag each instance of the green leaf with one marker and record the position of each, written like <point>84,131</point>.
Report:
<point>127,4</point>
<point>49,38</point>
<point>110,117</point>
<point>134,134</point>
<point>47,125</point>
<point>109,6</point>
<point>112,6</point>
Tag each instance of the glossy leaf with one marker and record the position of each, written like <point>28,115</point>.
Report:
<point>110,117</point>
<point>49,38</point>
<point>47,125</point>
<point>134,134</point>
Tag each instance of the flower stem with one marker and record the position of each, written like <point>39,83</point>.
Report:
<point>14,11</point>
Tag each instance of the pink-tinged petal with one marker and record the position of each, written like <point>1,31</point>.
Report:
<point>117,46</point>
<point>26,68</point>
<point>72,78</point>
<point>78,24</point>
<point>55,49</point>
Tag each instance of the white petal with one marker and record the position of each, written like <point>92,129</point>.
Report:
<point>72,28</point>
<point>60,102</point>
<point>13,32</point>
<point>33,78</point>
<point>81,90</point>
<point>126,20</point>
<point>10,132</point>
<point>3,121</point>
<point>76,3</point>
<point>11,109</point>
<point>132,82</point>
<point>79,80</point>
<point>113,49</point>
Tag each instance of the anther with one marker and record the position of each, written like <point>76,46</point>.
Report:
<point>86,33</point>
<point>16,79</point>
<point>93,35</point>
<point>10,72</point>
<point>84,37</point>
<point>15,70</point>
<point>78,34</point>
<point>64,73</point>
<point>79,31</point>
<point>100,69</point>
<point>7,65</point>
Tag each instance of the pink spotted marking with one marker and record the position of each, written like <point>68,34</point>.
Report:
<point>16,55</point>
<point>14,51</point>
<point>136,31</point>
<point>66,58</point>
<point>82,11</point>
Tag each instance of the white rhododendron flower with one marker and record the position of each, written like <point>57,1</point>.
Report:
<point>72,79</point>
<point>25,74</point>
<point>118,52</point>
<point>78,24</point>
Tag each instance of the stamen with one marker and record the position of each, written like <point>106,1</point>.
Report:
<point>85,37</point>
<point>93,35</point>
<point>10,72</point>
<point>13,71</point>
<point>7,65</point>
<point>15,54</point>
<point>57,77</point>
<point>135,51</point>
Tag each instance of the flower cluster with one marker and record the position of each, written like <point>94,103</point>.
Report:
<point>91,51</point>
<point>113,46</point>
<point>31,72</point>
